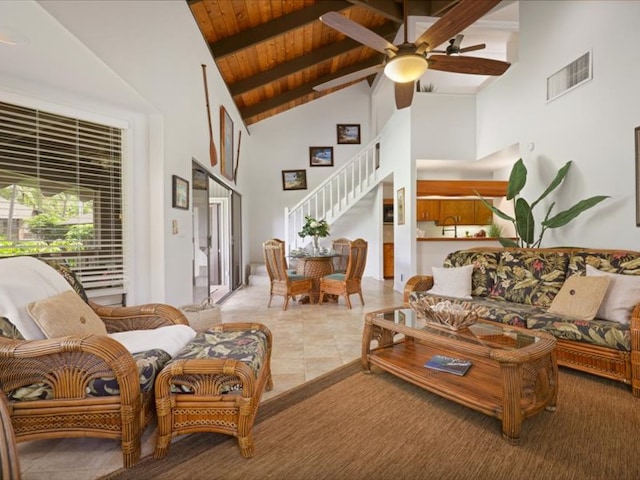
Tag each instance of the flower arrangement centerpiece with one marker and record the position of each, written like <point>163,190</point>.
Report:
<point>314,228</point>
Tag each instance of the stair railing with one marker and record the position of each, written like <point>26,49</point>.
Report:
<point>336,194</point>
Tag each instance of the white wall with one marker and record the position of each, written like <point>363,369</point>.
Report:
<point>592,125</point>
<point>282,143</point>
<point>443,127</point>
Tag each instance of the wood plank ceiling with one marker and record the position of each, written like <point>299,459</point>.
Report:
<point>271,53</point>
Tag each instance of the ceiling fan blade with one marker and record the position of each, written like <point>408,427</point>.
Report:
<point>357,32</point>
<point>404,94</point>
<point>480,46</point>
<point>473,65</point>
<point>457,41</point>
<point>349,77</point>
<point>465,13</point>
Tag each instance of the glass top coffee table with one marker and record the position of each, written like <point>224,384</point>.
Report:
<point>513,373</point>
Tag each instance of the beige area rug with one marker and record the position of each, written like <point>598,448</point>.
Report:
<point>348,425</point>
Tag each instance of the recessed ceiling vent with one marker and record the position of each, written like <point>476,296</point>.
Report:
<point>566,79</point>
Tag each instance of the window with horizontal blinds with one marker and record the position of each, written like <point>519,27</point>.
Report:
<point>61,194</point>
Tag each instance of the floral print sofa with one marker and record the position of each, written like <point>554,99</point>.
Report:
<point>516,286</point>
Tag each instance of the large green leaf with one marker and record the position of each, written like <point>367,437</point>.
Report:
<point>517,179</point>
<point>499,213</point>
<point>554,184</point>
<point>525,223</point>
<point>566,216</point>
<point>507,242</point>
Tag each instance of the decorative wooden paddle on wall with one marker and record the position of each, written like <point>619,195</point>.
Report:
<point>235,172</point>
<point>212,146</point>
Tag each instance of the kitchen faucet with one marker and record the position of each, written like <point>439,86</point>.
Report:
<point>455,226</point>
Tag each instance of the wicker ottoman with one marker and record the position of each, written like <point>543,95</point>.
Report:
<point>214,385</point>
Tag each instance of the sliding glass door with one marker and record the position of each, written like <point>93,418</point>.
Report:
<point>217,237</point>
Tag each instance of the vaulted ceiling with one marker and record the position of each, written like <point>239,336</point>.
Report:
<point>271,53</point>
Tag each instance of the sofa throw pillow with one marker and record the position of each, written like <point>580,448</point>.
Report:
<point>65,314</point>
<point>580,297</point>
<point>622,295</point>
<point>452,282</point>
<point>24,280</point>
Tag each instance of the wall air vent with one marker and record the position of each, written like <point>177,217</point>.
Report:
<point>566,79</point>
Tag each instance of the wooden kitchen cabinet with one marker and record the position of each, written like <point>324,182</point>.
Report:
<point>483,214</point>
<point>465,212</point>
<point>427,210</point>
<point>461,211</point>
<point>387,260</point>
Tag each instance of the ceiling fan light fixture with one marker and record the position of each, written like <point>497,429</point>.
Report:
<point>405,68</point>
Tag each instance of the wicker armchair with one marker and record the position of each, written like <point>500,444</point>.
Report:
<point>9,464</point>
<point>350,282</point>
<point>51,383</point>
<point>282,283</point>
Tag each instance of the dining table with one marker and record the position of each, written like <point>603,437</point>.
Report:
<point>315,266</point>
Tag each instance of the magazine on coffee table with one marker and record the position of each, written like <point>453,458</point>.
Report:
<point>457,366</point>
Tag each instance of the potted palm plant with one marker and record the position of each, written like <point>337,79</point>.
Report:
<point>523,219</point>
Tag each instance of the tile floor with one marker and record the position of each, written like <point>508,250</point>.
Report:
<point>309,340</point>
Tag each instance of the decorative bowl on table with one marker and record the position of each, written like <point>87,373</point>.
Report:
<point>444,313</point>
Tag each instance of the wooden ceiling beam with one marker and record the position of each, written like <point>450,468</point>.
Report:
<point>302,90</point>
<point>393,10</point>
<point>388,30</point>
<point>387,8</point>
<point>279,26</point>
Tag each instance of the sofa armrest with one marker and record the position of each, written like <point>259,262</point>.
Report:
<point>68,364</point>
<point>635,350</point>
<point>139,317</point>
<point>417,283</point>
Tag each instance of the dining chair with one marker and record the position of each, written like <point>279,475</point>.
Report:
<point>350,282</point>
<point>282,283</point>
<point>341,247</point>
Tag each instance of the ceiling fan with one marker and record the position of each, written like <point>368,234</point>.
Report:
<point>405,63</point>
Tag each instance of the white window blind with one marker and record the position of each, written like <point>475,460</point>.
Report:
<point>61,194</point>
<point>569,77</point>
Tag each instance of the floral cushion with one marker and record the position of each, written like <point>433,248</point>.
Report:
<point>499,311</point>
<point>622,262</point>
<point>68,274</point>
<point>529,277</point>
<point>604,333</point>
<point>485,264</point>
<point>9,330</point>
<point>248,346</point>
<point>597,332</point>
<point>149,364</point>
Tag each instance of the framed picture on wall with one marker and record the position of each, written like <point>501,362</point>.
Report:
<point>226,144</point>
<point>400,202</point>
<point>294,179</point>
<point>180,189</point>
<point>321,156</point>
<point>348,133</point>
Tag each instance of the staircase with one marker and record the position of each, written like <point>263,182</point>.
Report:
<point>337,194</point>
<point>330,200</point>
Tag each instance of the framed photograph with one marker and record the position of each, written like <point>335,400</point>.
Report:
<point>180,197</point>
<point>226,144</point>
<point>400,201</point>
<point>349,133</point>
<point>321,156</point>
<point>294,179</point>
<point>638,176</point>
